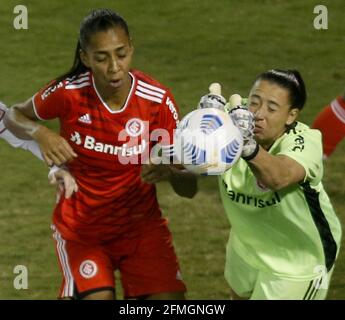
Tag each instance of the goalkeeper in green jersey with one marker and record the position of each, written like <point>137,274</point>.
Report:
<point>285,235</point>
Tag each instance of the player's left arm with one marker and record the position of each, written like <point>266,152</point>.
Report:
<point>183,182</point>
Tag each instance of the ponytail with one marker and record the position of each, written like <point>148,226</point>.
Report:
<point>78,66</point>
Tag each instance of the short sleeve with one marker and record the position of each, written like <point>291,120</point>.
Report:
<point>305,147</point>
<point>169,115</point>
<point>49,102</point>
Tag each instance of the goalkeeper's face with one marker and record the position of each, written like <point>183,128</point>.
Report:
<point>271,106</point>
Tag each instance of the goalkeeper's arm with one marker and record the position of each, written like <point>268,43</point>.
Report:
<point>274,171</point>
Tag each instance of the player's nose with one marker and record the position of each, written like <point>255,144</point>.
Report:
<point>258,114</point>
<point>114,65</point>
<point>261,112</point>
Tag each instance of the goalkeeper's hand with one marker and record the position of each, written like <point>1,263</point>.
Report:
<point>244,120</point>
<point>214,99</point>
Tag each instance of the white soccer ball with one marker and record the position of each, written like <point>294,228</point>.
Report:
<point>207,142</point>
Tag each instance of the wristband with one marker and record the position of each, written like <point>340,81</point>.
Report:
<point>253,155</point>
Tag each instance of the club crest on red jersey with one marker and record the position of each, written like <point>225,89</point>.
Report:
<point>88,269</point>
<point>134,127</point>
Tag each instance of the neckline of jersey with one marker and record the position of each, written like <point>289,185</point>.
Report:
<point>126,102</point>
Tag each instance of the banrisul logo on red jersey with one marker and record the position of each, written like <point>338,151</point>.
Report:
<point>132,144</point>
<point>127,152</point>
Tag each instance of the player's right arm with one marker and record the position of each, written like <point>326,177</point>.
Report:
<point>57,176</point>
<point>274,171</point>
<point>22,119</point>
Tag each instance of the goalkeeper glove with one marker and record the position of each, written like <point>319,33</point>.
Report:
<point>214,99</point>
<point>244,120</point>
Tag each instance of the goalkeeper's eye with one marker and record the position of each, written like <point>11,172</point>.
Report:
<point>271,109</point>
<point>253,104</point>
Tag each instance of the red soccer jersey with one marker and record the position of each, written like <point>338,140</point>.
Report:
<point>112,199</point>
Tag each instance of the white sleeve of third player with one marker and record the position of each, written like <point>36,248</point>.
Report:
<point>15,142</point>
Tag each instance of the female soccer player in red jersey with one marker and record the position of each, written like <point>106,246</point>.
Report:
<point>331,122</point>
<point>107,114</point>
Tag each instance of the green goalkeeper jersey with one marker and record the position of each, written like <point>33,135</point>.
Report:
<point>292,231</point>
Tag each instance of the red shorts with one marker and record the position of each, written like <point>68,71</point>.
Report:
<point>148,264</point>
